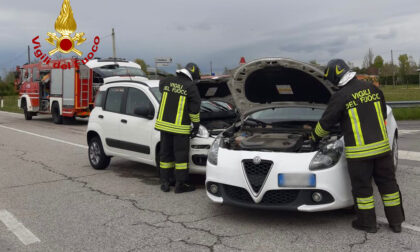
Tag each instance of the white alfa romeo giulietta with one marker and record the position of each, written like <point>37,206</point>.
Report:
<point>267,160</point>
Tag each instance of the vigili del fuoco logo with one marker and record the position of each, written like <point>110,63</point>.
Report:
<point>65,25</point>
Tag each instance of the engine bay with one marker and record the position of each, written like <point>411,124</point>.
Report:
<point>215,127</point>
<point>276,142</point>
<point>272,138</point>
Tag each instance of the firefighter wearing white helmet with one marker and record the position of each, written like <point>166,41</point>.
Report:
<point>179,108</point>
<point>360,109</point>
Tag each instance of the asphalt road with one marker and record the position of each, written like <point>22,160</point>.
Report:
<point>52,200</point>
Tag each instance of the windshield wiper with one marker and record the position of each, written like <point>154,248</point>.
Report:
<point>219,106</point>
<point>205,109</point>
<point>256,121</point>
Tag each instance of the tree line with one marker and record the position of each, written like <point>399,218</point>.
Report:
<point>150,72</point>
<point>7,85</point>
<point>403,71</point>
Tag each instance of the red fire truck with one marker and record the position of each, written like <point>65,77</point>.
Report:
<point>62,87</point>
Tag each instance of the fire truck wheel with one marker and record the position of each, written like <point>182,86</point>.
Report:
<point>28,115</point>
<point>69,120</point>
<point>55,110</point>
<point>97,158</point>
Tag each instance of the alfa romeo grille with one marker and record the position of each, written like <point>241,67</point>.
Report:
<point>237,194</point>
<point>270,198</point>
<point>256,173</point>
<point>279,197</point>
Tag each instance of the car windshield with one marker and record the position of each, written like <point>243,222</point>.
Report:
<point>206,106</point>
<point>288,114</point>
<point>156,93</point>
<point>116,70</point>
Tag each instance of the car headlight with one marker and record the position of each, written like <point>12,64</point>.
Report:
<point>214,151</point>
<point>327,156</point>
<point>203,132</point>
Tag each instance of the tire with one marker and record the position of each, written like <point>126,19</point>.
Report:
<point>69,120</point>
<point>55,110</point>
<point>27,114</point>
<point>395,152</point>
<point>97,158</point>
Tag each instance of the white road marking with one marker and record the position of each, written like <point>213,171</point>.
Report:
<point>409,155</point>
<point>12,114</point>
<point>46,137</point>
<point>17,228</point>
<point>404,225</point>
<point>407,132</point>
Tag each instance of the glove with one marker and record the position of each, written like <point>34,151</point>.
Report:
<point>314,139</point>
<point>194,130</point>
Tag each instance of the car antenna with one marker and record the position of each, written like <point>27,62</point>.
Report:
<point>129,75</point>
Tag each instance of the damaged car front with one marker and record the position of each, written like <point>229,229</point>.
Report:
<point>267,160</point>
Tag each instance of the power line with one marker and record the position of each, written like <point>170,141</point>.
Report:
<point>107,36</point>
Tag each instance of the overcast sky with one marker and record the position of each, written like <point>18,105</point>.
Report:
<point>220,31</point>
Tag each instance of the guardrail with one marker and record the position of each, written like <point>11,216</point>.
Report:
<point>404,104</point>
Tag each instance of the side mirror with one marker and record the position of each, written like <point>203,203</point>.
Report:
<point>145,112</point>
<point>98,80</point>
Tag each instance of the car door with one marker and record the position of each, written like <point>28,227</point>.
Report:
<point>136,131</point>
<point>110,118</point>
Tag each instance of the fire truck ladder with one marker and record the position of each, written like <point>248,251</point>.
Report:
<point>84,87</point>
<point>84,93</point>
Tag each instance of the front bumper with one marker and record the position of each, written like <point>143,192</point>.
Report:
<point>284,199</point>
<point>233,188</point>
<point>199,148</point>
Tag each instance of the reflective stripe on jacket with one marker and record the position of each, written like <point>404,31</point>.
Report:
<point>360,109</point>
<point>180,105</point>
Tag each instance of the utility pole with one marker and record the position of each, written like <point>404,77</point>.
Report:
<point>392,65</point>
<point>211,67</point>
<point>29,55</point>
<point>156,70</point>
<point>114,52</point>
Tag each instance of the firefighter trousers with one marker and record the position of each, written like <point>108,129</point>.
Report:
<point>174,155</point>
<point>382,170</point>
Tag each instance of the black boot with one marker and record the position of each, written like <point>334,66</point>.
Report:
<point>396,228</point>
<point>165,176</point>
<point>181,187</point>
<point>372,229</point>
<point>164,186</point>
<point>172,177</point>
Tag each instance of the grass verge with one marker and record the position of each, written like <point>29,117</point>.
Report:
<point>10,104</point>
<point>406,113</point>
<point>403,93</point>
<point>398,93</point>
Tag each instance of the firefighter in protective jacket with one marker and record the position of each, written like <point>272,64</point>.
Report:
<point>179,108</point>
<point>360,109</point>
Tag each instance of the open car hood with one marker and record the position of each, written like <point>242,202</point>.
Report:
<point>269,82</point>
<point>215,88</point>
<point>124,78</point>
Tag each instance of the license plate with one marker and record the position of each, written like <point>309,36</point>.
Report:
<point>296,180</point>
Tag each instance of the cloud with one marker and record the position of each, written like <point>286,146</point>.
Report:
<point>333,45</point>
<point>222,31</point>
<point>180,28</point>
<point>389,35</point>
